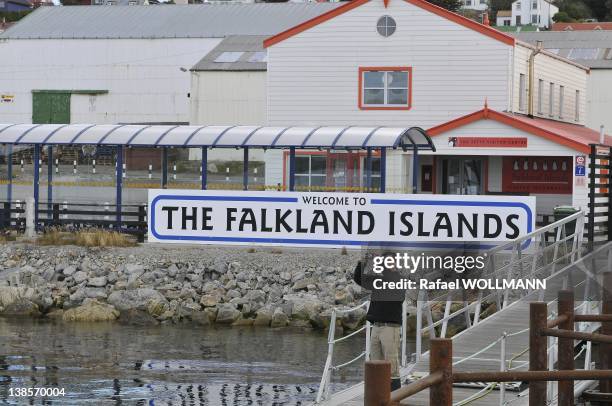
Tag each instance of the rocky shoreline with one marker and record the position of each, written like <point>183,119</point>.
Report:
<point>149,284</point>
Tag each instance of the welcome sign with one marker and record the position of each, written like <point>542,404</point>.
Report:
<point>335,219</point>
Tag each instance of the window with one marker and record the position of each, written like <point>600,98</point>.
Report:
<point>507,23</point>
<point>310,172</point>
<point>468,2</point>
<point>577,106</point>
<point>386,26</point>
<point>228,57</point>
<point>534,5</point>
<point>583,53</point>
<point>561,94</point>
<point>259,56</point>
<point>483,1</point>
<point>518,20</point>
<point>518,5</point>
<point>132,3</point>
<point>522,91</point>
<point>534,19</point>
<point>540,95</point>
<point>385,88</point>
<point>551,99</point>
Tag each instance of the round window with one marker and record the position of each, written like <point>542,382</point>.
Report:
<point>386,26</point>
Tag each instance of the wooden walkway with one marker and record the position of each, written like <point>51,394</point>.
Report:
<point>513,319</point>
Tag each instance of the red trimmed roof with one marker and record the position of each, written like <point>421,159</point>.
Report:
<point>573,136</point>
<point>582,26</point>
<point>466,22</point>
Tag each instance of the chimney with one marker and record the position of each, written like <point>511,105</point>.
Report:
<point>485,18</point>
<point>602,135</point>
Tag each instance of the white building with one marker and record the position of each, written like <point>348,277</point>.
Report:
<point>403,63</point>
<point>479,5</point>
<point>503,18</point>
<point>534,12</point>
<point>95,65</point>
<point>594,50</point>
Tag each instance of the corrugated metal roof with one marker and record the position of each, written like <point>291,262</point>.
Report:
<point>569,43</point>
<point>215,136</point>
<point>164,21</point>
<point>251,47</point>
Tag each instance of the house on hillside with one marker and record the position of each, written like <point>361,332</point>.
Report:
<point>528,12</point>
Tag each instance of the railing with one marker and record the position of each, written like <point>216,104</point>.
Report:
<point>326,379</point>
<point>441,377</point>
<point>12,215</point>
<point>133,218</point>
<point>533,255</point>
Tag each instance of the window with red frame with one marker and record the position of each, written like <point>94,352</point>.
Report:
<point>385,88</point>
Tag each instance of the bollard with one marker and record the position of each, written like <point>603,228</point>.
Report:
<point>377,383</point>
<point>441,360</point>
<point>538,312</point>
<point>605,350</point>
<point>30,229</point>
<point>565,347</point>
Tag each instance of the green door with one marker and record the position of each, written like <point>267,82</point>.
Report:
<point>51,107</point>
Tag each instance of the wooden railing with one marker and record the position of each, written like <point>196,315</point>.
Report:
<point>442,377</point>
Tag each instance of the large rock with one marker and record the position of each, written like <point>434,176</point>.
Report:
<point>145,299</point>
<point>98,282</point>
<point>80,276</point>
<point>227,314</point>
<point>91,310</point>
<point>263,317</point>
<point>69,270</point>
<point>279,318</point>
<point>137,317</point>
<point>21,307</point>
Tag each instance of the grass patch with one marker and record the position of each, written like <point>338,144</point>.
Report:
<point>86,238</point>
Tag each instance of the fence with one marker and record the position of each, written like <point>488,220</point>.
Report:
<point>441,377</point>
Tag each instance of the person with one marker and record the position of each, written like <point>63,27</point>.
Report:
<point>385,315</point>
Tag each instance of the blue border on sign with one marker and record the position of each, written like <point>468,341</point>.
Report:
<point>452,244</point>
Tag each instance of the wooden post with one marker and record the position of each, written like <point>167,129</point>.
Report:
<point>565,346</point>
<point>377,383</point>
<point>605,350</point>
<point>538,312</point>
<point>441,360</point>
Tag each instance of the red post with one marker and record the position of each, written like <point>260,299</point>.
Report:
<point>538,312</point>
<point>605,350</point>
<point>441,360</point>
<point>377,383</point>
<point>565,348</point>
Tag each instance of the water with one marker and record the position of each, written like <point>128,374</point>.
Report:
<point>110,364</point>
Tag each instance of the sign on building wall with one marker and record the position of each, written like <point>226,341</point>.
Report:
<point>580,165</point>
<point>487,142</point>
<point>335,219</point>
<point>543,175</point>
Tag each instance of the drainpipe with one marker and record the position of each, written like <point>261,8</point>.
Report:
<point>531,74</point>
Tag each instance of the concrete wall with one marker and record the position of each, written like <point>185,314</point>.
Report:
<point>142,76</point>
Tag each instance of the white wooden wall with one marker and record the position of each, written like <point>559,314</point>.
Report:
<point>550,70</point>
<point>228,98</point>
<point>313,76</point>
<point>143,77</point>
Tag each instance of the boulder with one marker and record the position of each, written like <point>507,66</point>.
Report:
<point>137,317</point>
<point>279,318</point>
<point>210,300</point>
<point>80,276</point>
<point>145,299</point>
<point>263,317</point>
<point>91,310</point>
<point>69,270</point>
<point>98,282</point>
<point>21,307</point>
<point>227,314</point>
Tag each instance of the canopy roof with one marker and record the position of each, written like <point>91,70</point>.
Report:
<point>216,136</point>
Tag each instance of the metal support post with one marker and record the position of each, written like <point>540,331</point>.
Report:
<point>164,178</point>
<point>383,170</point>
<point>565,346</point>
<point>538,312</point>
<point>291,169</point>
<point>36,183</point>
<point>119,185</point>
<point>245,169</point>
<point>204,168</point>
<point>415,169</point>
<point>368,184</point>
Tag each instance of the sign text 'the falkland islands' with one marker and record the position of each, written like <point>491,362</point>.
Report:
<point>334,219</point>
